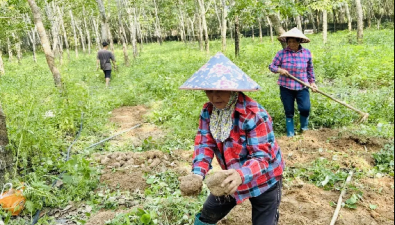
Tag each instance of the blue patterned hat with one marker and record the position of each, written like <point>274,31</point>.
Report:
<point>220,74</point>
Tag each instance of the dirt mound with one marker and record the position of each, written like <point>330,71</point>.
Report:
<point>214,182</point>
<point>101,218</point>
<point>351,150</point>
<point>129,116</point>
<point>125,170</point>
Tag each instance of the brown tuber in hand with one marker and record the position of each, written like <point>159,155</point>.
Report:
<point>191,185</point>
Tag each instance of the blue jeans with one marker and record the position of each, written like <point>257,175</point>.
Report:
<point>302,97</point>
<point>265,208</point>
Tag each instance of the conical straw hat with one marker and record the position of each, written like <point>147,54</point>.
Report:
<point>220,74</point>
<point>295,33</point>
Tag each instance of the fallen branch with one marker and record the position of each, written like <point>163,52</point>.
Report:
<point>340,202</point>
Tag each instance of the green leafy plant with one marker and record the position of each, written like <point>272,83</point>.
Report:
<point>384,160</point>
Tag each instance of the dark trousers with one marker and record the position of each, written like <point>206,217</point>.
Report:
<point>107,74</point>
<point>302,97</point>
<point>265,208</point>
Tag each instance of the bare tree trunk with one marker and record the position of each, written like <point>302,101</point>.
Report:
<point>82,38</point>
<point>17,48</point>
<point>237,36</point>
<point>104,26</point>
<point>110,37</point>
<point>360,21</point>
<point>325,26</point>
<point>182,21</point>
<point>158,29</point>
<point>45,43</point>
<point>97,33</point>
<point>224,24</point>
<point>253,33</point>
<point>335,19</point>
<point>271,29</point>
<point>75,33</point>
<point>299,22</point>
<point>349,19</point>
<point>204,25</point>
<point>133,29</point>
<point>200,32</point>
<point>260,30</point>
<point>2,71</point>
<point>54,25</point>
<point>276,23</point>
<point>5,154</point>
<point>313,22</point>
<point>125,47</point>
<point>318,21</point>
<point>60,50</point>
<point>88,34</point>
<point>10,57</point>
<point>61,14</point>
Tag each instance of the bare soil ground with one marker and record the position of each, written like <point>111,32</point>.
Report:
<point>302,204</point>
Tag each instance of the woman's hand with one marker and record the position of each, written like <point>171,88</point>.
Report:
<point>232,182</point>
<point>314,87</point>
<point>284,72</point>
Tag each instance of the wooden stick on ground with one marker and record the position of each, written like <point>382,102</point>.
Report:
<point>364,115</point>
<point>340,202</point>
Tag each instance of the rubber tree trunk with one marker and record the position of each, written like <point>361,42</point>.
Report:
<point>32,38</point>
<point>2,71</point>
<point>75,33</point>
<point>88,34</point>
<point>46,44</point>
<point>299,22</point>
<point>17,48</point>
<point>66,41</point>
<point>260,30</point>
<point>5,154</point>
<point>182,21</point>
<point>325,26</point>
<point>10,56</point>
<point>124,46</point>
<point>237,36</point>
<point>360,21</point>
<point>103,17</point>
<point>313,22</point>
<point>158,29</point>
<point>349,18</point>
<point>224,24</point>
<point>274,20</point>
<point>200,32</point>
<point>82,37</point>
<point>97,33</point>
<point>204,25</point>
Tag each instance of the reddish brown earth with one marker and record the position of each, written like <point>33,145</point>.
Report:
<point>302,204</point>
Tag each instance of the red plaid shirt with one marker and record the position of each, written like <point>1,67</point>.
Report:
<point>251,148</point>
<point>299,64</point>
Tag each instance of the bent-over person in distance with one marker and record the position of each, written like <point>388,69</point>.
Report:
<point>104,59</point>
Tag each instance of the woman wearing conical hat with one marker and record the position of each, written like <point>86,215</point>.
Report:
<point>296,61</point>
<point>238,131</point>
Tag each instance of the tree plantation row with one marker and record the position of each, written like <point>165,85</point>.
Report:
<point>82,25</point>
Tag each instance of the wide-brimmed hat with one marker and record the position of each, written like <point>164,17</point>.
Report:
<point>295,33</point>
<point>220,74</point>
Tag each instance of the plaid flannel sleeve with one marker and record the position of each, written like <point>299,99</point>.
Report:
<point>310,69</point>
<point>276,62</point>
<point>204,146</point>
<point>260,142</point>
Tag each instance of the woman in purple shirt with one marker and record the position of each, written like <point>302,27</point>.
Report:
<point>296,61</point>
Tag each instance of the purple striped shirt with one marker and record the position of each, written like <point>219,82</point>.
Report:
<point>299,64</point>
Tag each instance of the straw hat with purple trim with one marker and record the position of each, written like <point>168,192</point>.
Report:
<point>220,74</point>
<point>295,33</point>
